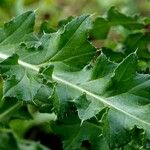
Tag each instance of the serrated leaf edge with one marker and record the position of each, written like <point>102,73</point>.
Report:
<point>59,80</point>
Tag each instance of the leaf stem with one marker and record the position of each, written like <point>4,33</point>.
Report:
<point>4,115</point>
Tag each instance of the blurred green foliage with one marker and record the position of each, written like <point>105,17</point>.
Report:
<point>55,10</point>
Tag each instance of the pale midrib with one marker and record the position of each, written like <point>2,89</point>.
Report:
<point>3,115</point>
<point>35,68</point>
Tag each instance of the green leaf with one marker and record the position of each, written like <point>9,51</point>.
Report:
<point>82,106</point>
<point>85,136</point>
<point>21,84</point>
<point>129,99</point>
<point>101,28</point>
<point>139,41</point>
<point>15,30</point>
<point>113,55</point>
<point>18,81</point>
<point>114,18</point>
<point>126,69</point>
<point>11,109</point>
<point>68,45</point>
<point>102,67</point>
<point>60,70</point>
<point>117,18</point>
